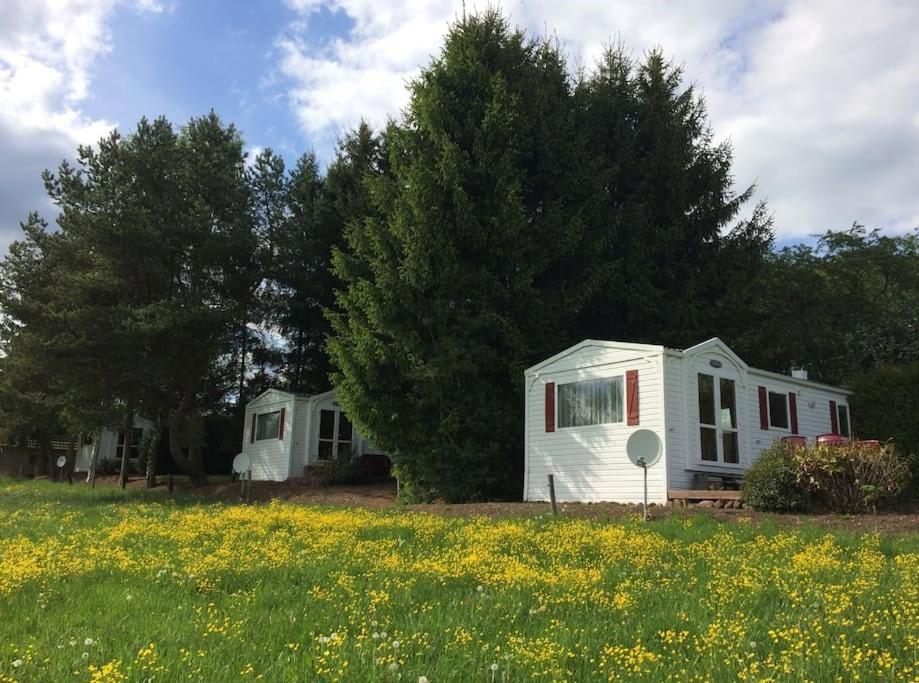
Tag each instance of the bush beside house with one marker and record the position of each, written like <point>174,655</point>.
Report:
<point>886,406</point>
<point>848,478</point>
<point>771,482</point>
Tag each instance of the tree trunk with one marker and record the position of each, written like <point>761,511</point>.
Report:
<point>49,458</point>
<point>298,372</point>
<point>242,360</point>
<point>72,458</point>
<point>126,448</point>
<point>190,463</point>
<point>94,459</point>
<point>153,448</point>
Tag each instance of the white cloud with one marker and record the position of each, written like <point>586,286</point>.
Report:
<point>47,50</point>
<point>364,74</point>
<point>818,96</point>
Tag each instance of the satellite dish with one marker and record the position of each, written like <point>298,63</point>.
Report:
<point>643,448</point>
<point>61,461</point>
<point>241,463</point>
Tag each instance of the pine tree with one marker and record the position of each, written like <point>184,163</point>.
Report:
<point>451,289</point>
<point>660,241</point>
<point>302,275</point>
<point>132,303</point>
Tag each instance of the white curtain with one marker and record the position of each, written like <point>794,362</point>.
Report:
<point>596,401</point>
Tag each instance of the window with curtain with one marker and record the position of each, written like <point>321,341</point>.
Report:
<point>592,402</point>
<point>268,426</point>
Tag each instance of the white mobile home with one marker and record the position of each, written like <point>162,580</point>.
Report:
<point>713,413</point>
<point>111,445</point>
<point>285,432</point>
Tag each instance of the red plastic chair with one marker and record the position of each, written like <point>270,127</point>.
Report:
<point>868,443</point>
<point>793,442</point>
<point>831,440</point>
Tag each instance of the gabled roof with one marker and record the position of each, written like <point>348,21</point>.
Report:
<point>715,344</point>
<point>627,346</point>
<point>282,394</point>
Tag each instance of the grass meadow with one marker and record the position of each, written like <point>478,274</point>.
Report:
<point>97,585</point>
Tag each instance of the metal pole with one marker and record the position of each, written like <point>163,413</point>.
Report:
<point>552,495</point>
<point>645,505</point>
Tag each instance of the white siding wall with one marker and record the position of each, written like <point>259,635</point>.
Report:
<point>270,458</point>
<point>300,433</point>
<point>108,447</point>
<point>590,463</point>
<point>813,420</point>
<point>681,381</point>
<point>678,446</point>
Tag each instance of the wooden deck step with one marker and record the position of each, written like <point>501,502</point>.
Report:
<point>701,494</point>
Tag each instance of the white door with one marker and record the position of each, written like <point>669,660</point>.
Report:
<point>335,435</point>
<point>719,440</point>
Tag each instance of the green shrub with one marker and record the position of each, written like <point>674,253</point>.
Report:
<point>886,406</point>
<point>771,483</point>
<point>344,468</point>
<point>851,477</point>
<point>410,490</point>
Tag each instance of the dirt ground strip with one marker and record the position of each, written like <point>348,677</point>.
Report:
<point>383,495</point>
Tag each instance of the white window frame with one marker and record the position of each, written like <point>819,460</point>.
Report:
<point>719,428</point>
<point>277,433</point>
<point>840,407</point>
<point>769,411</point>
<point>599,425</point>
<point>335,440</point>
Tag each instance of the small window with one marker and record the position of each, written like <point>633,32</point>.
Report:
<point>843,413</point>
<point>778,410</point>
<point>137,436</point>
<point>268,426</point>
<point>592,402</point>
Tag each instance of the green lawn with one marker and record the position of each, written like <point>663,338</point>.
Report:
<point>109,586</point>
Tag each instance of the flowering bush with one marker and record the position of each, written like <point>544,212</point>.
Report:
<point>852,477</point>
<point>771,483</point>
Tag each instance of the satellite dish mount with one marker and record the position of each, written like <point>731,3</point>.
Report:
<point>243,467</point>
<point>644,450</point>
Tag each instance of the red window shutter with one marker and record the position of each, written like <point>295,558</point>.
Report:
<point>763,411</point>
<point>252,433</point>
<point>834,418</point>
<point>281,427</point>
<point>631,396</point>
<point>550,406</point>
<point>793,411</point>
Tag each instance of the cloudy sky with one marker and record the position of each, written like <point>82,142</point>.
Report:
<point>820,98</point>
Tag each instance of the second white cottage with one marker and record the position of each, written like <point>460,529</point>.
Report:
<point>285,432</point>
<point>713,413</point>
